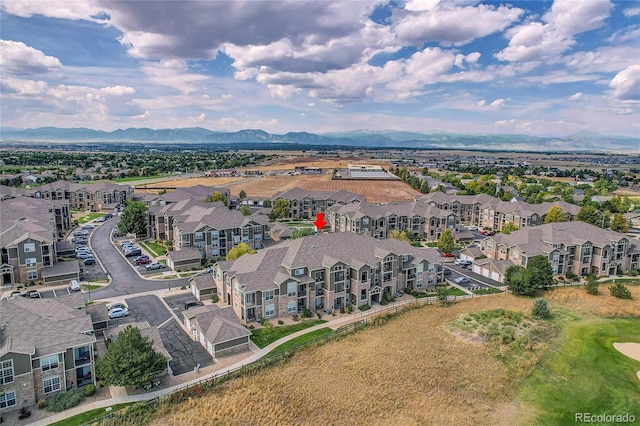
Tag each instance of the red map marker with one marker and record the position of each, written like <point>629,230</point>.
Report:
<point>320,223</point>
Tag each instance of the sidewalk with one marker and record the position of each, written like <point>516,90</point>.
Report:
<point>119,395</point>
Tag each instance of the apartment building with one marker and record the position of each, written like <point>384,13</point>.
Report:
<point>61,209</point>
<point>28,236</point>
<point>46,347</point>
<point>163,207</point>
<point>421,219</point>
<point>496,214</point>
<point>467,207</point>
<point>95,197</point>
<point>324,271</point>
<point>305,204</point>
<point>573,246</point>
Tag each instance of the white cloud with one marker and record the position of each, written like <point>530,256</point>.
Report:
<point>632,11</point>
<point>76,10</point>
<point>451,25</point>
<point>174,74</point>
<point>497,103</point>
<point>578,96</point>
<point>626,84</point>
<point>570,17</point>
<point>18,58</point>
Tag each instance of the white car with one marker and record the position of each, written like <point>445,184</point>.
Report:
<point>74,285</point>
<point>118,313</point>
<point>154,265</point>
<point>473,228</point>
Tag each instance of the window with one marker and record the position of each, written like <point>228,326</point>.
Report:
<point>49,362</point>
<point>405,258</point>
<point>268,295</point>
<point>51,385</point>
<point>364,276</point>
<point>420,268</point>
<point>363,295</point>
<point>30,262</point>
<point>292,289</point>
<point>199,235</point>
<point>419,283</point>
<point>199,244</point>
<point>365,220</point>
<point>269,311</point>
<point>299,271</point>
<point>292,307</point>
<point>556,256</point>
<point>29,247</point>
<point>6,372</point>
<point>257,229</point>
<point>7,400</point>
<point>32,275</point>
<point>214,234</point>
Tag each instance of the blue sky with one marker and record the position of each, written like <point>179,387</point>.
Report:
<point>547,68</point>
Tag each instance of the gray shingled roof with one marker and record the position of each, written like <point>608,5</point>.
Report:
<point>203,282</point>
<point>42,326</point>
<point>217,324</point>
<point>185,253</point>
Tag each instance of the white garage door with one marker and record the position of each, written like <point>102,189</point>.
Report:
<point>495,276</point>
<point>477,269</point>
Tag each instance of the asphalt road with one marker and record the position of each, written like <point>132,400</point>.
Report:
<point>148,308</point>
<point>185,352</point>
<point>474,279</point>
<point>124,280</point>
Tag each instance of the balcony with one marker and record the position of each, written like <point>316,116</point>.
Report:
<point>82,359</point>
<point>319,291</point>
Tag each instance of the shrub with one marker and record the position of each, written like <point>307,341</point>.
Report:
<point>251,326</point>
<point>280,322</point>
<point>42,403</point>
<point>384,302</point>
<point>342,311</point>
<point>572,276</point>
<point>540,308</point>
<point>265,322</point>
<point>389,298</point>
<point>214,298</point>
<point>184,287</point>
<point>89,390</point>
<point>318,315</point>
<point>620,291</point>
<point>407,290</point>
<point>364,307</point>
<point>633,273</point>
<point>65,401</point>
<point>591,286</point>
<point>306,313</point>
<point>349,309</point>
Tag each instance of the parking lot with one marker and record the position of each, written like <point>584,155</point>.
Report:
<point>140,268</point>
<point>182,302</point>
<point>185,352</point>
<point>472,284</point>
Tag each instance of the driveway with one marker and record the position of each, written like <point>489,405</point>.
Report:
<point>124,279</point>
<point>185,353</point>
<point>148,308</point>
<point>476,282</point>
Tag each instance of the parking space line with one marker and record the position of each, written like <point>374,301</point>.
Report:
<point>168,320</point>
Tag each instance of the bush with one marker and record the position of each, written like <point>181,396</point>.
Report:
<point>65,401</point>
<point>214,298</point>
<point>306,313</point>
<point>349,309</point>
<point>591,286</point>
<point>571,276</point>
<point>384,302</point>
<point>389,298</point>
<point>342,311</point>
<point>364,307</point>
<point>280,322</point>
<point>42,403</point>
<point>318,315</point>
<point>633,273</point>
<point>540,308</point>
<point>265,322</point>
<point>89,390</point>
<point>620,291</point>
<point>184,287</point>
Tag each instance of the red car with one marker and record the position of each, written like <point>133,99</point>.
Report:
<point>143,261</point>
<point>448,255</point>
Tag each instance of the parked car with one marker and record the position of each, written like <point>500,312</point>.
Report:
<point>81,249</point>
<point>74,285</point>
<point>188,305</point>
<point>447,271</point>
<point>84,255</point>
<point>142,256</point>
<point>473,228</point>
<point>126,243</point>
<point>133,252</point>
<point>143,261</point>
<point>116,306</point>
<point>463,263</point>
<point>99,219</point>
<point>118,313</point>
<point>81,232</point>
<point>33,294</point>
<point>461,280</point>
<point>90,261</point>
<point>154,265</point>
<point>448,255</point>
<point>88,227</point>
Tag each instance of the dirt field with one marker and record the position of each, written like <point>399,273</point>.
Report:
<point>289,163</point>
<point>408,372</point>
<point>375,191</point>
<point>185,183</point>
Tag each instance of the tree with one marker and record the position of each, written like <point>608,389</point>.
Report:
<point>266,203</point>
<point>281,208</point>
<point>619,223</point>
<point>541,271</point>
<point>424,187</point>
<point>509,227</point>
<point>591,215</point>
<point>591,286</point>
<point>540,308</point>
<point>217,196</point>
<point>442,293</point>
<point>555,214</point>
<point>518,279</point>
<point>130,361</point>
<point>620,291</point>
<point>242,195</point>
<point>445,243</point>
<point>399,235</point>
<point>245,210</point>
<point>134,218</point>
<point>238,251</point>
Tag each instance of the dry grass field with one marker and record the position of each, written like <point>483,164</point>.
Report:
<point>288,163</point>
<point>375,191</point>
<point>410,371</point>
<point>185,183</point>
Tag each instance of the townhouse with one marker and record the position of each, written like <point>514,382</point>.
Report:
<point>60,208</point>
<point>324,271</point>
<point>305,204</point>
<point>573,246</point>
<point>467,207</point>
<point>28,243</point>
<point>496,214</point>
<point>95,197</point>
<point>421,219</point>
<point>46,347</point>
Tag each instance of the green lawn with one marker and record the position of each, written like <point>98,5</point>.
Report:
<point>155,249</point>
<point>135,178</point>
<point>301,340</point>
<point>454,291</point>
<point>583,373</point>
<point>89,287</point>
<point>264,336</point>
<point>489,290</point>
<point>87,416</point>
<point>88,217</point>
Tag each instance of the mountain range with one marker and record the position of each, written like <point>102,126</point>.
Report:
<point>358,138</point>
